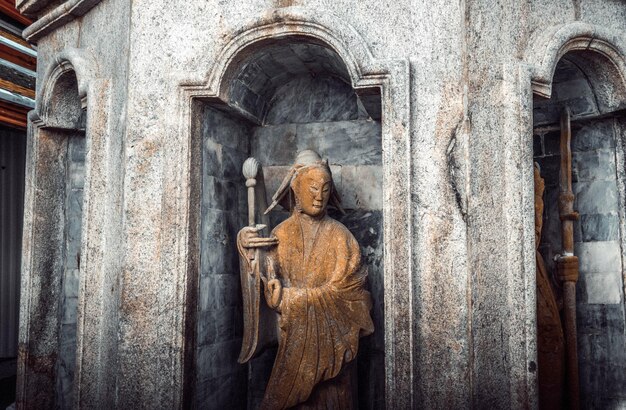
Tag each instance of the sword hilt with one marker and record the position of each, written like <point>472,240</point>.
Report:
<point>250,171</point>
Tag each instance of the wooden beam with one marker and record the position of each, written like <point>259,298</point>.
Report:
<point>16,57</point>
<point>7,34</point>
<point>17,89</point>
<point>13,115</point>
<point>7,7</point>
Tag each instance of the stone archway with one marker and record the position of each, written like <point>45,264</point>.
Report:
<point>582,67</point>
<point>366,76</point>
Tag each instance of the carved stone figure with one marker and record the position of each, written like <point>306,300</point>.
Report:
<point>311,271</point>
<point>550,338</point>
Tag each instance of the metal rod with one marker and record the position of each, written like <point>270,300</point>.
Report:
<point>567,262</point>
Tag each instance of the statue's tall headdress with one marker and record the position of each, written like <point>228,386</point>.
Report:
<point>305,160</point>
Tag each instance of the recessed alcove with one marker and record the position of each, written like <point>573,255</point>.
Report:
<point>55,183</point>
<point>590,85</point>
<point>65,122</point>
<point>281,97</point>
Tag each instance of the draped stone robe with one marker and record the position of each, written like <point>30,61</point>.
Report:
<point>323,311</point>
<point>550,342</point>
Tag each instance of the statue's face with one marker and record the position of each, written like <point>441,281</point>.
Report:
<point>313,189</point>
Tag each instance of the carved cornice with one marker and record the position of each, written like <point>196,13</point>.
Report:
<point>30,7</point>
<point>56,17</point>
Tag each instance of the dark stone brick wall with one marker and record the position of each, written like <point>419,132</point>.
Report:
<point>75,179</point>
<point>600,299</point>
<point>221,381</point>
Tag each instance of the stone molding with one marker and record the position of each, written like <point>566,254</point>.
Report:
<point>58,16</point>
<point>392,76</point>
<point>519,272</point>
<point>82,62</point>
<point>546,49</point>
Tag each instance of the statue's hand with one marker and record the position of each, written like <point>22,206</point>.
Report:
<point>273,293</point>
<point>248,237</point>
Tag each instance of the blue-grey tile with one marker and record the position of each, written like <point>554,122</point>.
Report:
<point>599,227</point>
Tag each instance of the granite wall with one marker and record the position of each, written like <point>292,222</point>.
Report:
<point>457,80</point>
<point>597,236</point>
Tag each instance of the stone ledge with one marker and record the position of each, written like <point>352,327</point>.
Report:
<point>55,18</point>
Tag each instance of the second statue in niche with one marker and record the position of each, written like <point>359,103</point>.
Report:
<point>309,273</point>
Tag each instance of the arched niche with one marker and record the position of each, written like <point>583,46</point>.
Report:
<point>53,270</point>
<point>67,137</point>
<point>284,96</point>
<point>207,89</point>
<point>588,78</point>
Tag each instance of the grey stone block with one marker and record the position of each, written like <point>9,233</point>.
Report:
<point>243,97</point>
<point>603,288</point>
<point>343,143</point>
<point>219,360</point>
<point>572,88</point>
<point>593,135</point>
<point>71,283</point>
<point>599,227</point>
<point>259,371</point>
<point>220,194</point>
<point>545,114</point>
<point>599,256</point>
<point>595,197</point>
<point>225,130</point>
<point>601,341</point>
<point>313,99</point>
<point>223,392</point>
<point>537,146</point>
<point>274,144</point>
<point>218,254</point>
<point>361,187</point>
<point>232,163</point>
<point>211,158</point>
<point>582,106</point>
<point>70,309</point>
<point>565,71</point>
<point>77,149</point>
<point>77,175</point>
<point>552,143</point>
<point>217,326</point>
<point>593,166</point>
<point>218,292</point>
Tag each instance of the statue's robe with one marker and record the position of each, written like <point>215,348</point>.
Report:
<point>550,342</point>
<point>324,310</point>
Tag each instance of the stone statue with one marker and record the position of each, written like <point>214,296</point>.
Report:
<point>312,277</point>
<point>550,338</point>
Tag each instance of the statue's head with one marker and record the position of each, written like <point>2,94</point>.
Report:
<point>311,183</point>
<point>539,189</point>
<point>312,187</point>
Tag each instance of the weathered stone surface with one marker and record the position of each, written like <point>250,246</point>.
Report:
<point>454,148</point>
